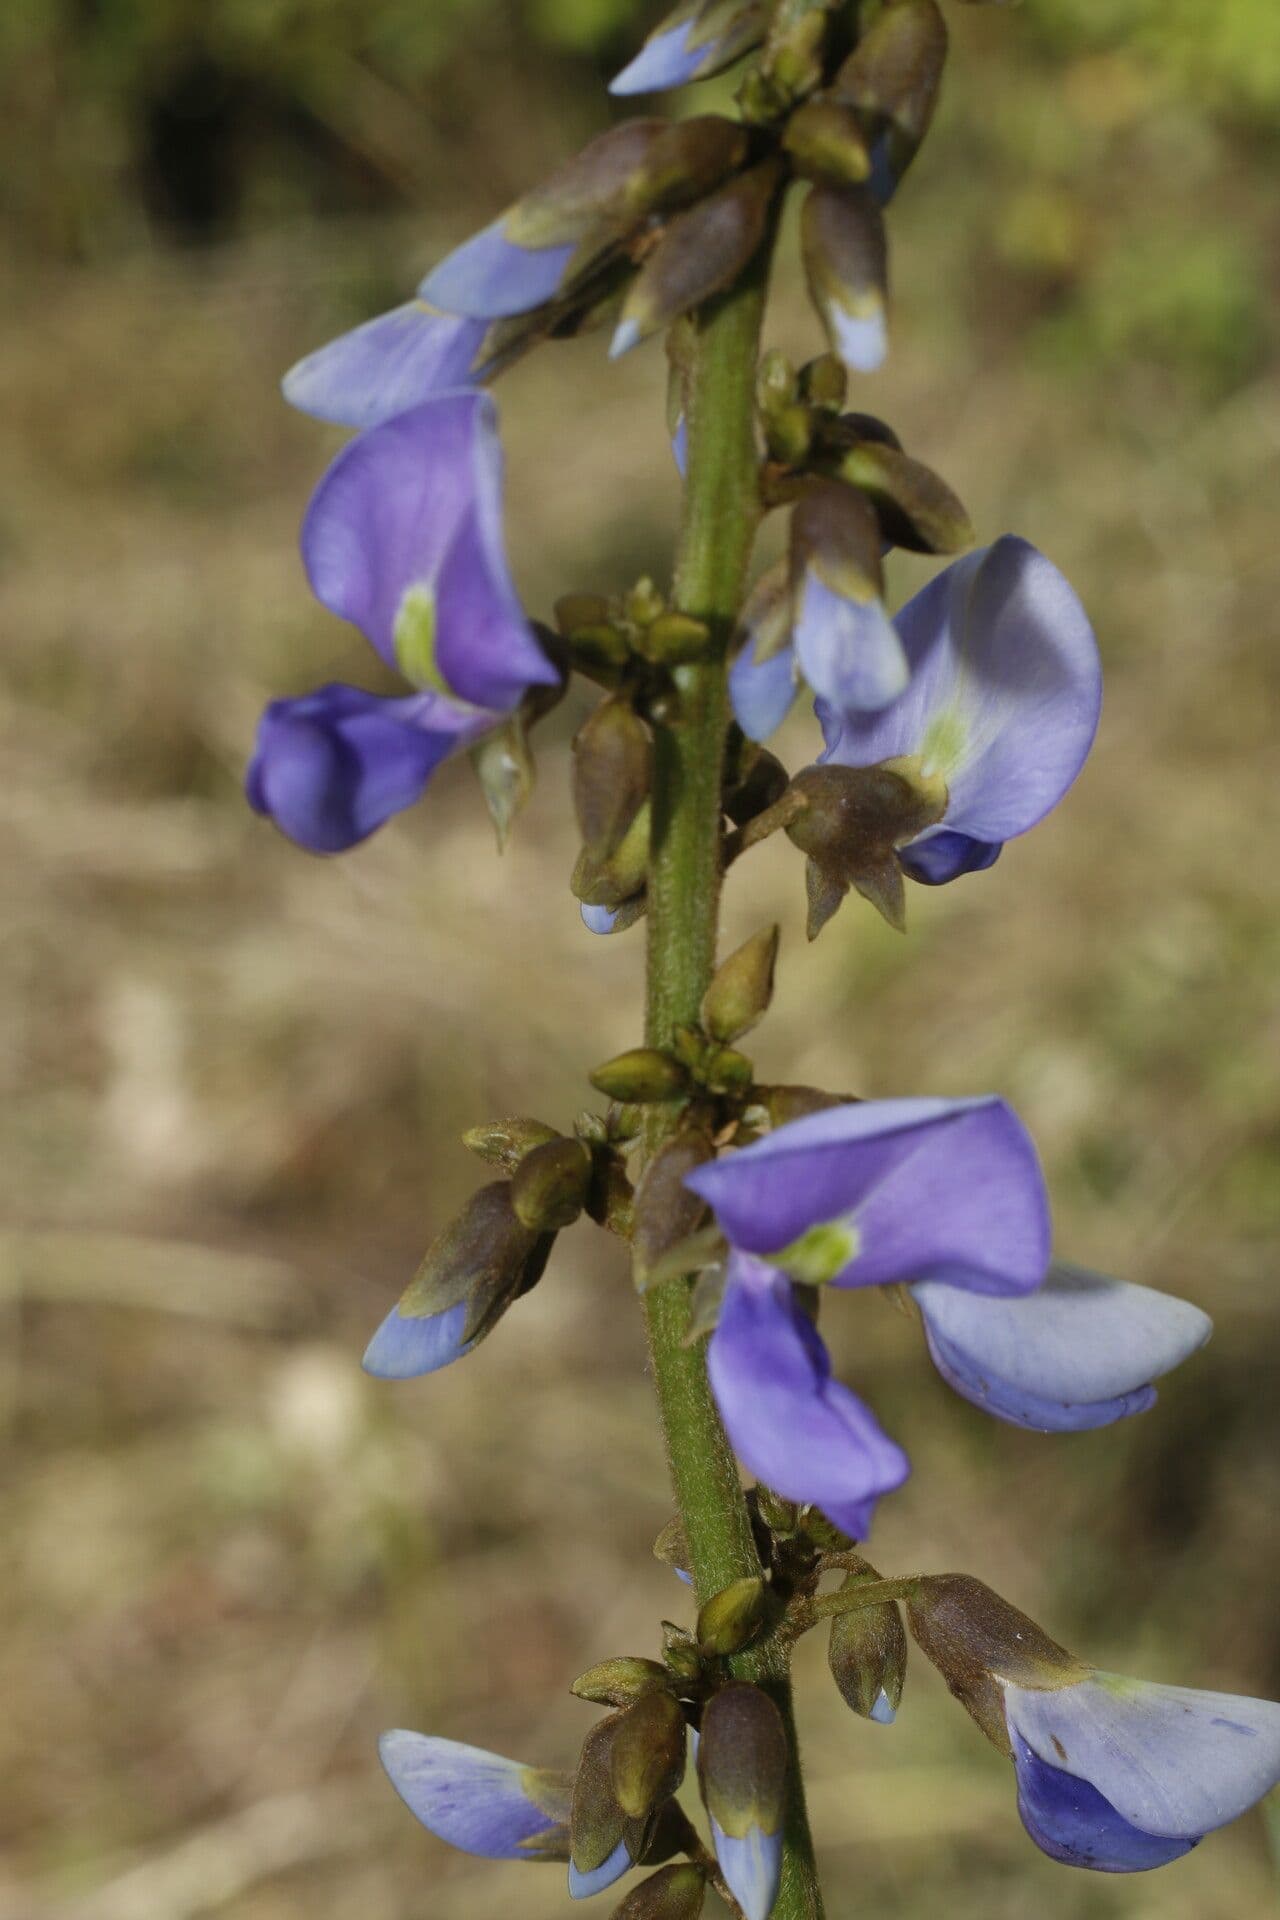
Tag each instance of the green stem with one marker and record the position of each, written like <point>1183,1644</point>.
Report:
<point>721,513</point>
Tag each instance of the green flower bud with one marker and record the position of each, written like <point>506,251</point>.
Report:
<point>824,138</point>
<point>617,1683</point>
<point>979,1643</point>
<point>680,1651</point>
<point>617,881</point>
<point>549,1187</point>
<point>647,1754</point>
<point>642,1075</point>
<point>504,1143</point>
<point>733,1618</point>
<point>673,1893</point>
<point>740,993</point>
<point>672,1547</point>
<point>675,639</point>
<point>824,382</point>
<point>596,1821</point>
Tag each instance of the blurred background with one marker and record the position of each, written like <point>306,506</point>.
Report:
<point>236,1075</point>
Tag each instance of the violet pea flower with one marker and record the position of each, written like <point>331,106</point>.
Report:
<point>868,1194</point>
<point>1122,1775</point>
<point>1002,704</point>
<point>404,538</point>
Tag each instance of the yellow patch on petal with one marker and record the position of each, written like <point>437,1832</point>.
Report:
<point>945,740</point>
<point>415,639</point>
<point>820,1254</point>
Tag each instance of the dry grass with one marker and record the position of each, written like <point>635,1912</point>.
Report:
<point>236,1077</point>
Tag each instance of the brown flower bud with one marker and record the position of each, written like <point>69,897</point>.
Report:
<point>867,1654</point>
<point>486,1257</point>
<point>742,1761</point>
<point>596,1820</point>
<point>647,1754</point>
<point>916,509</point>
<point>842,240</point>
<point>612,771</point>
<point>666,1211</point>
<point>702,253</point>
<point>895,74</point>
<point>673,1893</point>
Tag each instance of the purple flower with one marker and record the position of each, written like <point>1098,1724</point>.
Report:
<point>1002,706</point>
<point>403,537</point>
<point>1121,1775</point>
<point>792,1425</point>
<point>477,1801</point>
<point>1079,1353</point>
<point>331,767</point>
<point>890,1190</point>
<point>862,1195</point>
<point>387,366</point>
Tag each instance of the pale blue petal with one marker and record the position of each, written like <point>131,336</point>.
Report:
<point>1079,1353</point>
<point>849,650</point>
<point>492,278</point>
<point>407,1345</point>
<point>883,1712</point>
<point>476,1801</point>
<point>1172,1761</point>
<point>583,1885</point>
<point>762,691</point>
<point>386,366</point>
<point>752,1866</point>
<point>665,61</point>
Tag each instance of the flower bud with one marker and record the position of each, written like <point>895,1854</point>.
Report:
<point>505,768</point>
<point>666,1211</point>
<point>895,74</point>
<point>549,1187</point>
<point>673,1893</point>
<point>742,989</point>
<point>824,138</point>
<point>573,611</point>
<point>672,1547</point>
<point>619,879</point>
<point>733,1618</point>
<point>835,534</point>
<point>598,1853</point>
<point>980,1644</point>
<point>793,58</point>
<point>867,1654</point>
<point>916,509</point>
<point>612,771</point>
<point>641,1075</point>
<point>504,1143</point>
<point>674,640</point>
<point>702,253</point>
<point>742,1770</point>
<point>698,39</point>
<point>647,1753</point>
<point>784,1104</point>
<point>484,1258</point>
<point>846,261</point>
<point>680,1651</point>
<point>824,382</point>
<point>619,1682</point>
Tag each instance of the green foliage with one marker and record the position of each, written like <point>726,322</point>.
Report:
<point>1225,53</point>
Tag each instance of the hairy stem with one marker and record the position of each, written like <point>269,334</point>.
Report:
<point>721,511</point>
